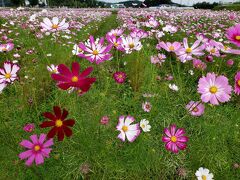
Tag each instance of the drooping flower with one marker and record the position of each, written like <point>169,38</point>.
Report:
<point>95,51</point>
<point>214,89</point>
<point>237,83</point>
<point>170,47</point>
<point>54,25</point>
<point>59,123</point>
<point>198,64</point>
<point>9,72</point>
<point>6,47</point>
<point>38,149</point>
<point>195,108</point>
<point>130,44</point>
<point>73,79</point>
<point>104,120</point>
<point>175,139</point>
<point>29,127</point>
<point>204,174</point>
<point>186,53</point>
<point>233,34</point>
<point>127,129</point>
<point>53,69</point>
<point>144,124</point>
<point>119,77</point>
<point>146,106</point>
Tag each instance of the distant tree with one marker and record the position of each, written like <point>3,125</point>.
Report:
<point>33,2</point>
<point>205,5</point>
<point>156,2</point>
<point>17,2</point>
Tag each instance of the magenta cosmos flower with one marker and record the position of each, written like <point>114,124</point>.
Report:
<point>115,41</point>
<point>95,51</point>
<point>29,127</point>
<point>6,47</point>
<point>73,79</point>
<point>119,77</point>
<point>214,89</point>
<point>175,139</point>
<point>131,131</point>
<point>237,83</point>
<point>195,108</point>
<point>233,34</point>
<point>170,47</point>
<point>9,72</point>
<point>38,149</point>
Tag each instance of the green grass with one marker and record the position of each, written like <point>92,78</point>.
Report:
<point>214,137</point>
<point>233,7</point>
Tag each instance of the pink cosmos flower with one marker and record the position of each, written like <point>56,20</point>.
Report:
<point>175,139</point>
<point>131,131</point>
<point>159,59</point>
<point>214,89</point>
<point>146,106</point>
<point>6,47</point>
<point>169,47</point>
<point>115,32</point>
<point>38,149</point>
<point>9,72</point>
<point>29,127</point>
<point>119,77</point>
<point>95,51</point>
<point>152,23</point>
<point>237,83</point>
<point>195,108</point>
<point>139,33</point>
<point>115,41</point>
<point>233,34</point>
<point>104,120</point>
<point>54,25</point>
<point>186,53</point>
<point>198,64</point>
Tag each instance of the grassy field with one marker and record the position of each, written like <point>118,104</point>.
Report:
<point>94,152</point>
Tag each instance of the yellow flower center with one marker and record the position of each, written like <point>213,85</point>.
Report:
<point>8,76</point>
<point>171,48</point>
<point>95,52</point>
<point>79,91</point>
<point>58,123</point>
<point>204,177</point>
<point>195,109</point>
<point>37,148</point>
<point>238,38</point>
<point>225,48</point>
<point>213,50</point>
<point>213,89</point>
<point>125,128</point>
<point>74,79</point>
<point>120,76</point>
<point>80,50</point>
<point>54,26</point>
<point>131,45</point>
<point>116,44</point>
<point>174,139</point>
<point>238,82</point>
<point>4,49</point>
<point>143,126</point>
<point>188,50</point>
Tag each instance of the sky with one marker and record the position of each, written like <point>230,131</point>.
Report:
<point>187,2</point>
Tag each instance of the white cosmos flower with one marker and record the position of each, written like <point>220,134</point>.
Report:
<point>203,174</point>
<point>53,69</point>
<point>54,25</point>
<point>76,50</point>
<point>144,124</point>
<point>131,43</point>
<point>173,87</point>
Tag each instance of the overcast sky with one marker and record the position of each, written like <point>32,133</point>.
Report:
<point>188,2</point>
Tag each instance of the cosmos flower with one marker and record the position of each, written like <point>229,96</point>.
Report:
<point>104,120</point>
<point>175,139</point>
<point>127,129</point>
<point>146,106</point>
<point>173,87</point>
<point>195,108</point>
<point>53,69</point>
<point>130,44</point>
<point>9,72</point>
<point>77,50</point>
<point>119,77</point>
<point>214,89</point>
<point>29,127</point>
<point>6,47</point>
<point>171,29</point>
<point>115,41</point>
<point>115,32</point>
<point>186,53</point>
<point>144,124</point>
<point>237,83</point>
<point>159,59</point>
<point>38,149</point>
<point>203,174</point>
<point>198,64</point>
<point>67,78</point>
<point>60,125</point>
<point>54,25</point>
<point>152,23</point>
<point>169,47</point>
<point>95,51</point>
<point>233,34</point>
<point>139,33</point>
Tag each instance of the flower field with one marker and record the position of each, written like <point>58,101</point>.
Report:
<point>119,94</point>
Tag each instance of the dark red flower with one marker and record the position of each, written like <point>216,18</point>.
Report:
<point>67,78</point>
<point>58,122</point>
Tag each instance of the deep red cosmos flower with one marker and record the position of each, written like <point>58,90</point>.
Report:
<point>73,79</point>
<point>119,77</point>
<point>58,122</point>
